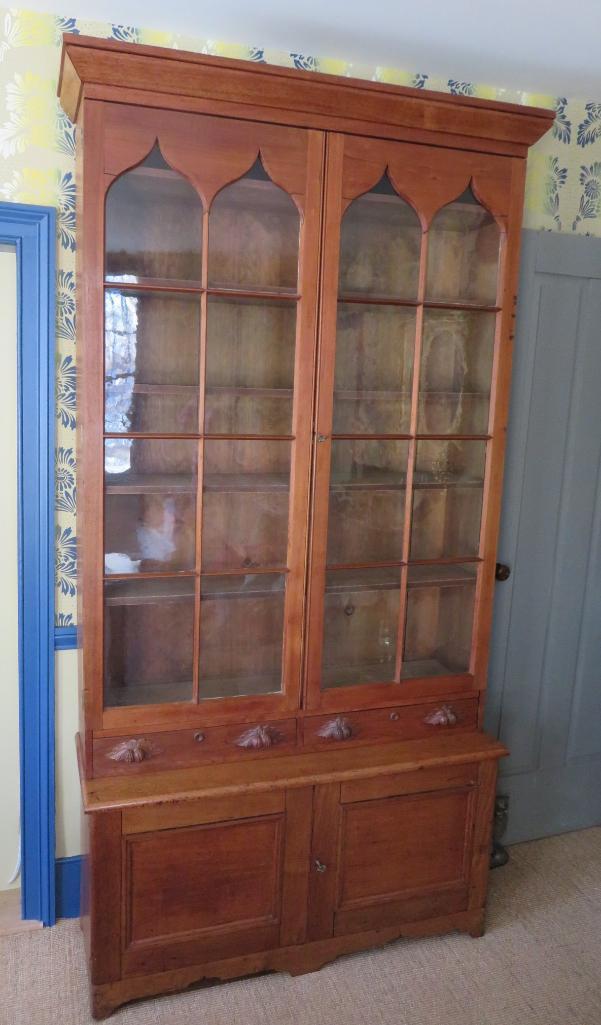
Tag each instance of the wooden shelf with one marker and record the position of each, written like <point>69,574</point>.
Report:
<point>451,575</point>
<point>383,672</point>
<point>171,483</point>
<point>214,687</point>
<point>149,591</point>
<point>149,484</point>
<point>121,696</point>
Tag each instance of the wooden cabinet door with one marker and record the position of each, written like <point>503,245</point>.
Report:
<point>399,849</point>
<point>213,879</point>
<point>205,234</point>
<point>418,274</point>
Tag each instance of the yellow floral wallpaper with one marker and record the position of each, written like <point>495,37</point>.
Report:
<point>37,147</point>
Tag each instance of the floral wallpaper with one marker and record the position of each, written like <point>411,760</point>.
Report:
<point>37,147</point>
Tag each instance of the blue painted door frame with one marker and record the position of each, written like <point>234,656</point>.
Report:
<point>32,231</point>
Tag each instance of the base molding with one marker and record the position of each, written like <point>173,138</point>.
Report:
<point>296,960</point>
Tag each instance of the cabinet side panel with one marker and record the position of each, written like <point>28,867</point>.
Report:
<point>90,402</point>
<point>104,869</point>
<point>500,396</point>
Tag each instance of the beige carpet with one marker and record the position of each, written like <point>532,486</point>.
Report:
<point>539,964</point>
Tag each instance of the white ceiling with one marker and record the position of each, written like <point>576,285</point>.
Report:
<point>549,47</point>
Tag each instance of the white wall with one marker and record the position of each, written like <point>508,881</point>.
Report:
<point>68,800</point>
<point>9,594</point>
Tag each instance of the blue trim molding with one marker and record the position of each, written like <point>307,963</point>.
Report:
<point>68,885</point>
<point>65,638</point>
<point>32,231</point>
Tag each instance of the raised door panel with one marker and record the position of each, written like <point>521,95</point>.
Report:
<point>413,355</point>
<point>198,424</point>
<point>209,887</point>
<point>399,849</point>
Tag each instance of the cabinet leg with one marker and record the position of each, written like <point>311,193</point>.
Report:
<point>102,1004</point>
<point>477,924</point>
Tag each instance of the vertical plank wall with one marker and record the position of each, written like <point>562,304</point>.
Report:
<point>545,670</point>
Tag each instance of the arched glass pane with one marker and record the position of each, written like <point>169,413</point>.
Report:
<point>254,235</point>
<point>463,253</point>
<point>380,245</point>
<point>153,225</point>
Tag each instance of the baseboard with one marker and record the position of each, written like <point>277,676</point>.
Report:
<point>68,878</point>
<point>65,638</point>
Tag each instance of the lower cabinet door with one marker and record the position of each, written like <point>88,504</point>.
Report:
<point>383,854</point>
<point>205,881</point>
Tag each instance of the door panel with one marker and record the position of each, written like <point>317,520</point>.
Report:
<point>408,438</point>
<point>383,853</point>
<point>211,248</point>
<point>196,888</point>
<point>544,697</point>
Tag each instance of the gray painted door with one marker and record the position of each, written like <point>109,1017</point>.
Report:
<point>545,672</point>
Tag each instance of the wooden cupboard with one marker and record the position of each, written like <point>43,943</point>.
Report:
<point>295,307</point>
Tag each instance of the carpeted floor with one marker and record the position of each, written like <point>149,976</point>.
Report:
<point>539,964</point>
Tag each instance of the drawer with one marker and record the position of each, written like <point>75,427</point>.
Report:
<point>407,722</point>
<point>143,752</point>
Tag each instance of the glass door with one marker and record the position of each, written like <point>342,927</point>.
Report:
<point>404,425</point>
<point>210,299</point>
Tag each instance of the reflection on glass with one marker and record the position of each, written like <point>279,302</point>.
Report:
<point>151,353</point>
<point>456,371</point>
<point>447,499</point>
<point>148,641</point>
<point>150,505</point>
<point>249,366</point>
<point>361,616</point>
<point>367,501</point>
<point>245,504</point>
<point>241,635</point>
<point>253,235</point>
<point>380,245</point>
<point>153,225</point>
<point>463,254</point>
<point>374,365</point>
<point>440,613</point>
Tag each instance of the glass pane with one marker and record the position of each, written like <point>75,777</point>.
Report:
<point>148,641</point>
<point>456,371</point>
<point>440,613</point>
<point>151,352</point>
<point>447,499</point>
<point>463,254</point>
<point>249,366</point>
<point>153,225</point>
<point>241,635</point>
<point>245,504</point>
<point>253,235</point>
<point>380,245</point>
<point>361,615</point>
<point>150,505</point>
<point>374,366</point>
<point>367,501</point>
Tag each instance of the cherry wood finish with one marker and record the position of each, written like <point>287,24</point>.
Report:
<point>280,866</point>
<point>296,296</point>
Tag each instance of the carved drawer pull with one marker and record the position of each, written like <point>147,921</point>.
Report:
<point>135,750</point>
<point>337,729</point>
<point>443,716</point>
<point>349,609</point>
<point>259,737</point>
<point>319,866</point>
